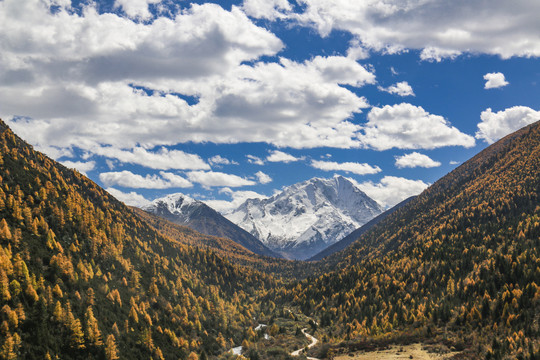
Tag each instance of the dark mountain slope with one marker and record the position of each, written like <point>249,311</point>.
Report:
<point>224,247</point>
<point>352,237</point>
<point>82,277</point>
<point>461,261</point>
<point>182,210</point>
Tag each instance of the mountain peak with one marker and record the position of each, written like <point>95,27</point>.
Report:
<point>184,210</point>
<point>306,217</point>
<point>174,203</point>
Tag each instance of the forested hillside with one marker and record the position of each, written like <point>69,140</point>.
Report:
<point>225,247</point>
<point>82,277</point>
<point>460,261</point>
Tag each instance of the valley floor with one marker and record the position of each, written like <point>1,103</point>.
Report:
<point>413,351</point>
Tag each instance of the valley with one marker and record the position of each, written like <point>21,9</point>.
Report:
<point>454,269</point>
<point>269,180</point>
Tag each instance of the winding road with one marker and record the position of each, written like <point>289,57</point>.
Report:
<point>314,342</point>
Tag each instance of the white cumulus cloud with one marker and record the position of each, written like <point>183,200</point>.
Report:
<point>215,178</point>
<point>391,190</point>
<point>352,167</point>
<point>90,80</point>
<point>252,159</point>
<point>401,88</point>
<point>440,28</point>
<point>220,160</point>
<point>280,156</point>
<point>132,198</point>
<point>136,8</point>
<point>415,159</point>
<point>495,80</point>
<point>495,125</point>
<point>263,178</point>
<point>405,126</point>
<point>267,9</point>
<point>128,179</point>
<point>81,166</point>
<point>162,159</point>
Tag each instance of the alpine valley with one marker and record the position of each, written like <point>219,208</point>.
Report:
<point>82,276</point>
<point>269,180</point>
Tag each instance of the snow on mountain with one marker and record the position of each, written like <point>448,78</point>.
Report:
<point>183,210</point>
<point>306,217</point>
<point>179,205</point>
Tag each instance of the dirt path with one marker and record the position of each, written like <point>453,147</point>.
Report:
<point>314,342</point>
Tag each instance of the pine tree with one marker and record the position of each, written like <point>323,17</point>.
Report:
<point>92,330</point>
<point>76,338</point>
<point>5,233</point>
<point>5,295</point>
<point>110,348</point>
<point>8,351</point>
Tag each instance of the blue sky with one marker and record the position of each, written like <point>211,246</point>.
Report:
<point>227,100</point>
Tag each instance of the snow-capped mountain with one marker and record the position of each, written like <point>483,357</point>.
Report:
<point>306,217</point>
<point>184,210</point>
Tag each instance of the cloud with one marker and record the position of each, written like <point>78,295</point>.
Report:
<point>263,178</point>
<point>495,80</point>
<point>303,105</point>
<point>214,178</point>
<point>356,168</point>
<point>415,159</point>
<point>105,80</point>
<point>136,8</point>
<point>441,29</point>
<point>401,88</point>
<point>356,51</point>
<point>163,159</point>
<point>267,9</point>
<point>431,53</point>
<point>453,162</point>
<point>237,199</point>
<point>128,179</point>
<point>219,160</point>
<point>82,167</point>
<point>391,190</point>
<point>81,69</point>
<point>499,124</point>
<point>280,156</point>
<point>131,198</point>
<point>405,126</point>
<point>111,164</point>
<point>252,159</point>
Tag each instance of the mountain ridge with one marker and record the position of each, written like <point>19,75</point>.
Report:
<point>184,210</point>
<point>306,217</point>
